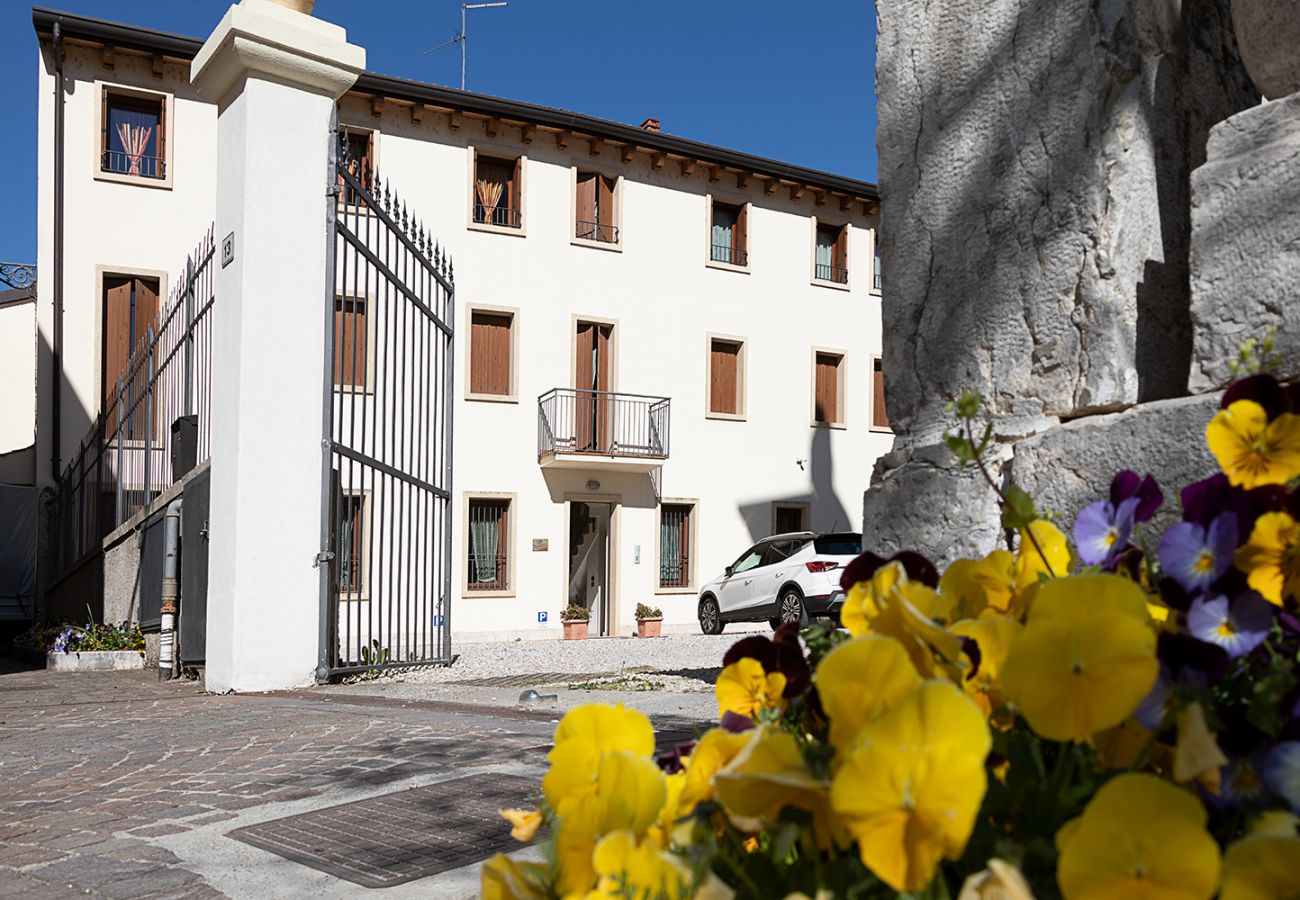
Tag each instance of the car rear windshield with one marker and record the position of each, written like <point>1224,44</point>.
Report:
<point>838,544</point>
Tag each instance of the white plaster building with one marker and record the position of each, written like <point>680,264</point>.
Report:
<point>619,259</point>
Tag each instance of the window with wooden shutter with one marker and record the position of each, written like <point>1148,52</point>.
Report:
<point>830,255</point>
<point>359,160</point>
<point>875,267</point>
<point>725,376</point>
<point>727,234</point>
<point>487,563</point>
<point>130,309</point>
<point>351,545</point>
<point>585,211</point>
<point>351,340</point>
<point>827,400</point>
<point>489,353</point>
<point>497,187</point>
<point>879,416</point>
<point>675,563</point>
<point>133,135</point>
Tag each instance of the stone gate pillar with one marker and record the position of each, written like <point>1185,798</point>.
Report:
<point>275,75</point>
<point>1034,166</point>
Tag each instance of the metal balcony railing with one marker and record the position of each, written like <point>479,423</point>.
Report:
<point>120,163</point>
<point>500,216</point>
<point>837,274</point>
<point>602,423</point>
<point>596,231</point>
<point>729,254</point>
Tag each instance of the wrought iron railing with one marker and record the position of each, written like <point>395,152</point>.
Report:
<point>18,276</point>
<point>596,231</point>
<point>120,163</point>
<point>500,216</point>
<point>875,276</point>
<point>155,423</point>
<point>837,274</point>
<point>729,254</point>
<point>602,423</point>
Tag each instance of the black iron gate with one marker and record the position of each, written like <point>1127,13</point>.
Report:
<point>386,513</point>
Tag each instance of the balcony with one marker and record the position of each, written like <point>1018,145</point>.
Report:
<point>119,163</point>
<point>596,231</point>
<point>729,254</point>
<point>499,216</point>
<point>602,430</point>
<point>835,274</point>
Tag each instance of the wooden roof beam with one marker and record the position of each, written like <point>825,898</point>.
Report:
<point>526,133</point>
<point>376,107</point>
<point>819,198</point>
<point>562,139</point>
<point>797,191</point>
<point>742,180</point>
<point>158,66</point>
<point>715,174</point>
<point>626,152</point>
<point>770,185</point>
<point>453,120</point>
<point>417,113</point>
<point>108,57</point>
<point>593,146</point>
<point>688,168</point>
<point>491,126</point>
<point>657,160</point>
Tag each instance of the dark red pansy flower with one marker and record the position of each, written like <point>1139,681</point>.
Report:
<point>670,761</point>
<point>784,655</point>
<point>917,567</point>
<point>861,569</point>
<point>1128,484</point>
<point>735,722</point>
<point>1263,389</point>
<point>1203,501</point>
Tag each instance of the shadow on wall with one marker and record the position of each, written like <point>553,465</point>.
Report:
<point>825,510</point>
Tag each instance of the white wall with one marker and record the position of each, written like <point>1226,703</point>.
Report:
<point>18,398</point>
<point>110,226</point>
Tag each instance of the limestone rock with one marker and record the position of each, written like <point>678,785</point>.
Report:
<point>921,500</point>
<point>1033,165</point>
<point>1268,33</point>
<point>1245,252</point>
<point>1070,466</point>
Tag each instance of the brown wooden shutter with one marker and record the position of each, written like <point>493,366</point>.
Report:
<point>513,192</point>
<point>740,235</point>
<point>489,364</point>
<point>159,170</point>
<point>103,137</point>
<point>826,404</point>
<point>839,254</point>
<point>117,335</point>
<point>586,209</point>
<point>879,415</point>
<point>503,545</point>
<point>724,359</point>
<point>605,208</point>
<point>349,342</point>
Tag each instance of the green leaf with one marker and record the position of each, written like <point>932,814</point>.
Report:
<point>1019,510</point>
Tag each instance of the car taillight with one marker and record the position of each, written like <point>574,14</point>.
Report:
<point>821,565</point>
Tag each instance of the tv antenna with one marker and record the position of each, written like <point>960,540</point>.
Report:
<point>462,38</point>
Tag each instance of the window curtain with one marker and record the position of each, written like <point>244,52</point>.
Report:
<point>347,542</point>
<point>670,542</point>
<point>134,134</point>
<point>723,224</point>
<point>825,254</point>
<point>483,536</point>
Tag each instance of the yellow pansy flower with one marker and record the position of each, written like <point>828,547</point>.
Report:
<point>1271,558</point>
<point>628,869</point>
<point>661,832</point>
<point>1251,450</point>
<point>993,636</point>
<point>863,601</point>
<point>504,879</point>
<point>1196,755</point>
<point>912,783</point>
<point>1262,868</point>
<point>523,822</point>
<point>1122,746</point>
<point>1140,837</point>
<point>1054,561</point>
<point>745,689</point>
<point>859,680</point>
<point>584,736</point>
<point>769,775</point>
<point>712,752</point>
<point>985,586</point>
<point>628,795</point>
<point>1086,659</point>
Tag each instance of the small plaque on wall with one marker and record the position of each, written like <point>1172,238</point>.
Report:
<point>541,545</point>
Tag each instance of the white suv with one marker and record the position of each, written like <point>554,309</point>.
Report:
<point>783,578</point>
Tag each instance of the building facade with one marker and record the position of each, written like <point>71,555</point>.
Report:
<point>664,350</point>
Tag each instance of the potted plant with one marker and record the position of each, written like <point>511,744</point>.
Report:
<point>96,646</point>
<point>648,620</point>
<point>574,619</point>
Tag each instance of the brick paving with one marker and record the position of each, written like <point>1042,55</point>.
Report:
<point>99,770</point>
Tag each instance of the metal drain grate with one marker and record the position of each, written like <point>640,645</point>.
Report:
<point>402,836</point>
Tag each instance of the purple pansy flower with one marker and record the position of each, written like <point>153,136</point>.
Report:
<point>1196,556</point>
<point>1241,781</point>
<point>1103,529</point>
<point>1282,773</point>
<point>1238,627</point>
<point>1149,496</point>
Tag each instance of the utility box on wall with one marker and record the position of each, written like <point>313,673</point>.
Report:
<point>185,445</point>
<point>194,570</point>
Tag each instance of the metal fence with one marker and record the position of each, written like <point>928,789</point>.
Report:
<point>602,422</point>
<point>154,426</point>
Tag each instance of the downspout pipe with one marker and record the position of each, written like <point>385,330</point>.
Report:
<point>56,355</point>
<point>168,658</point>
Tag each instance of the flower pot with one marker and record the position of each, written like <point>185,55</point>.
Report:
<point>95,661</point>
<point>575,630</point>
<point>648,627</point>
<point>302,6</point>
<point>1268,32</point>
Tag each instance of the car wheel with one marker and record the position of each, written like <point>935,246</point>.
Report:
<point>710,616</point>
<point>789,609</point>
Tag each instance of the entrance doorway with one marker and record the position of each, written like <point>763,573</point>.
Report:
<point>592,382</point>
<point>589,561</point>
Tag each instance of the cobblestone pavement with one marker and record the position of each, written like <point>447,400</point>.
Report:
<point>116,785</point>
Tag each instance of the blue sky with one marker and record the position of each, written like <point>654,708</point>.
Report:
<point>790,81</point>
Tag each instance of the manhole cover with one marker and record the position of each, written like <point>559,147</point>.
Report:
<point>402,836</point>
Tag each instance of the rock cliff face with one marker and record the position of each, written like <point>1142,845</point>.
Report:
<point>1035,161</point>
